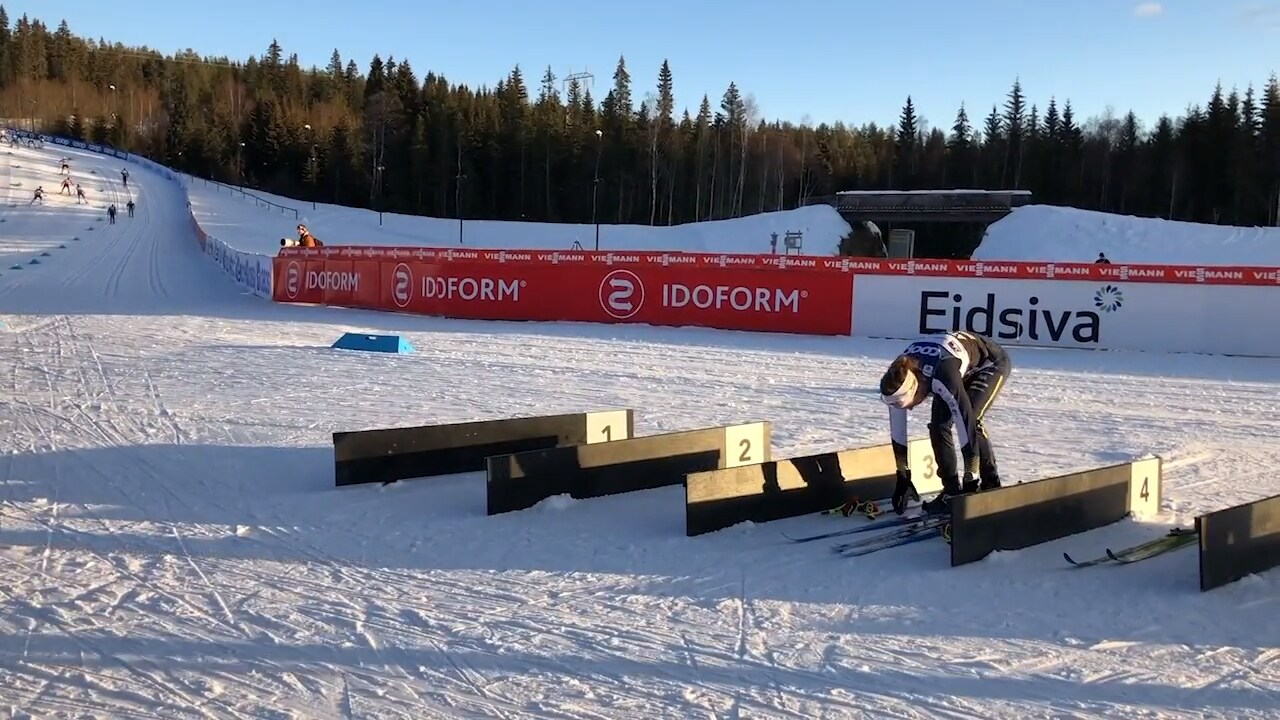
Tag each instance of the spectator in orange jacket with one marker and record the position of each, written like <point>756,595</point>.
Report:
<point>306,239</point>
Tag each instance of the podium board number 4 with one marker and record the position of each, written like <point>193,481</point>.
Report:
<point>744,445</point>
<point>1144,489</point>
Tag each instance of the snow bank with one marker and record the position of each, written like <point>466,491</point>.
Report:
<point>1061,234</point>
<point>256,228</point>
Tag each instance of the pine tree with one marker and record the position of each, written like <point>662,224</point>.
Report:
<point>7,71</point>
<point>959,171</point>
<point>1070,154</point>
<point>1125,162</point>
<point>906,149</point>
<point>1014,126</point>
<point>702,142</point>
<point>993,154</point>
<point>1269,156</point>
<point>665,138</point>
<point>1162,159</point>
<point>549,115</point>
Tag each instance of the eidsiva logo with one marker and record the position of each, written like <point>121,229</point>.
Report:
<point>621,294</point>
<point>292,279</point>
<point>1108,298</point>
<point>401,285</point>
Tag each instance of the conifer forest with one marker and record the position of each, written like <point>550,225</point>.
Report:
<point>537,147</point>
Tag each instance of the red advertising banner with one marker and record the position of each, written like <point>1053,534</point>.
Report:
<point>1173,274</point>
<point>763,293</point>
<point>732,297</point>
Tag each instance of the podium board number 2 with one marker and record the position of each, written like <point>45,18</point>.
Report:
<point>744,445</point>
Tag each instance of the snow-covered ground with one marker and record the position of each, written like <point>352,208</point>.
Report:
<point>171,543</point>
<point>1062,234</point>
<point>243,221</point>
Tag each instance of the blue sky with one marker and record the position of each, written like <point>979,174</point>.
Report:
<point>855,60</point>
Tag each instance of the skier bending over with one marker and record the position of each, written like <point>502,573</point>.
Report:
<point>964,372</point>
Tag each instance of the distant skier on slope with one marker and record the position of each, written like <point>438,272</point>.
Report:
<point>964,372</point>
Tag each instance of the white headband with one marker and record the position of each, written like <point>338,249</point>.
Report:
<point>905,392</point>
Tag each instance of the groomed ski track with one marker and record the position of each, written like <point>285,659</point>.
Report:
<point>171,545</point>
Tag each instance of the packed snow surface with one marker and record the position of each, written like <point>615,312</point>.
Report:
<point>172,545</point>
<point>1063,234</point>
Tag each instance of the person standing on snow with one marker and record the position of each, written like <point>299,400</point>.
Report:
<point>964,372</point>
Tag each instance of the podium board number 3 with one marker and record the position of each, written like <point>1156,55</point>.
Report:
<point>930,467</point>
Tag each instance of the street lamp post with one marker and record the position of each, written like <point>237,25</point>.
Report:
<point>112,111</point>
<point>457,190</point>
<point>595,186</point>
<point>377,183</point>
<point>311,162</point>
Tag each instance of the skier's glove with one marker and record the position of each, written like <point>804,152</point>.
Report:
<point>904,492</point>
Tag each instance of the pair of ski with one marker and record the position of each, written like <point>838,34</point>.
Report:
<point>1175,539</point>
<point>892,521</point>
<point>899,530</point>
<point>921,528</point>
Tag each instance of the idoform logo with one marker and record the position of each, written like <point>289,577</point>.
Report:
<point>401,285</point>
<point>292,279</point>
<point>621,294</point>
<point>1108,298</point>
